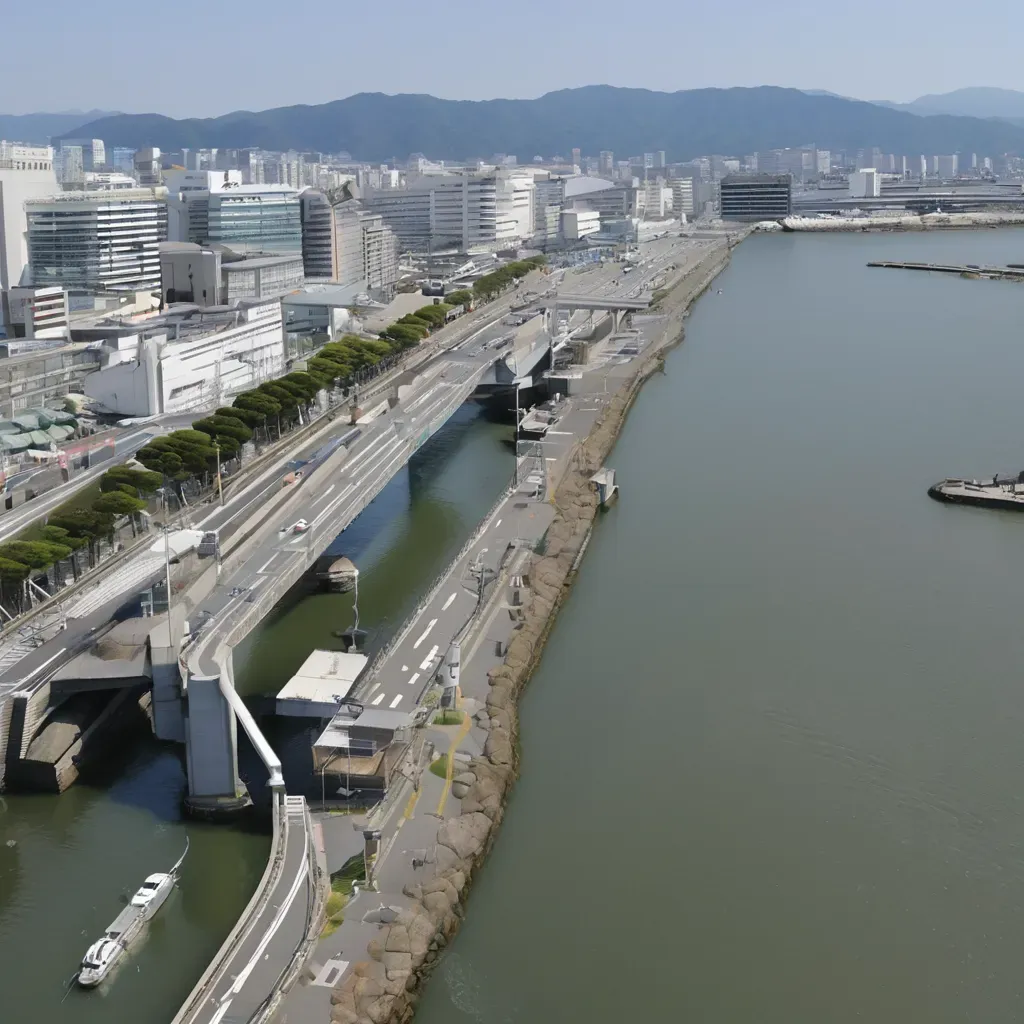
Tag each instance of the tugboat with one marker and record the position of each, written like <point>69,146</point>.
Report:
<point>102,956</point>
<point>1006,493</point>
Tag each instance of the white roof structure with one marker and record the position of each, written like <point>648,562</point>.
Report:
<point>324,679</point>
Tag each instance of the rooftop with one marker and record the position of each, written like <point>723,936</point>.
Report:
<point>325,677</point>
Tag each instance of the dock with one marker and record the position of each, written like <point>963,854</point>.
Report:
<point>1009,273</point>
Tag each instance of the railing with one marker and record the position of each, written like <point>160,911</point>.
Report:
<point>436,584</point>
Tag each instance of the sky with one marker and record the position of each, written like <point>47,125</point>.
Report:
<point>265,53</point>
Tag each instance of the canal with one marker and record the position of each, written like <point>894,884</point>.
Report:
<point>77,857</point>
<point>772,759</point>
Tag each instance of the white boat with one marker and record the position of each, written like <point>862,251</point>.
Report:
<point>103,955</point>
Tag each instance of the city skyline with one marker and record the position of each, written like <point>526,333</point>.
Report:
<point>692,49</point>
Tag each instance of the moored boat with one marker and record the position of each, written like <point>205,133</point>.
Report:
<point>999,493</point>
<point>105,953</point>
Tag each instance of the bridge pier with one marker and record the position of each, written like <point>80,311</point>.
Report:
<point>211,746</point>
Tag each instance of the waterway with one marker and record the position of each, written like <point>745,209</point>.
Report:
<point>78,856</point>
<point>772,759</point>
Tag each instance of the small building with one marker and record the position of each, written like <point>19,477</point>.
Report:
<point>323,681</point>
<point>866,184</point>
<point>189,357</point>
<point>39,312</point>
<point>361,749</point>
<point>577,224</point>
<point>753,197</point>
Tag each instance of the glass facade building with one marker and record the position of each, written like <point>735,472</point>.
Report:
<point>247,219</point>
<point>94,242</point>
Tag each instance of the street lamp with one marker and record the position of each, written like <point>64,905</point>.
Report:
<point>220,484</point>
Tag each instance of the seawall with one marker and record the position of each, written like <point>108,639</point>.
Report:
<point>384,987</point>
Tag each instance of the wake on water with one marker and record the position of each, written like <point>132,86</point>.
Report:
<point>467,993</point>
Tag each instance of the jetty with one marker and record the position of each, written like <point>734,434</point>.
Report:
<point>999,492</point>
<point>1009,273</point>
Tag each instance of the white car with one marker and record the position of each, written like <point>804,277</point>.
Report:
<point>300,527</point>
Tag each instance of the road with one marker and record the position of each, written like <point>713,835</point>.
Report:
<point>245,979</point>
<point>13,522</point>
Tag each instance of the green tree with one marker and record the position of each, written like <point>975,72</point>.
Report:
<point>461,297</point>
<point>117,503</point>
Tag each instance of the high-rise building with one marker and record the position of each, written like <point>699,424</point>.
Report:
<point>70,165</point>
<point>606,163</point>
<point>95,242</point>
<point>122,159</point>
<point>682,196</point>
<point>147,167</point>
<point>94,152</point>
<point>247,219</point>
<point>26,172</point>
<point>659,158</point>
<point>752,197</point>
<point>577,153</point>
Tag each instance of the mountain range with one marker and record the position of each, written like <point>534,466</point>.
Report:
<point>40,128</point>
<point>685,124</point>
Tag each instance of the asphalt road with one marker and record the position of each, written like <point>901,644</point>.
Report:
<point>245,979</point>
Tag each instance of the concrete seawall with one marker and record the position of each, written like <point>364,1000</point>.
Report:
<point>384,987</point>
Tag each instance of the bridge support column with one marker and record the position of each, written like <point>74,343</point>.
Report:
<point>616,320</point>
<point>168,704</point>
<point>211,749</point>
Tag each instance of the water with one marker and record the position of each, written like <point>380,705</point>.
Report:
<point>772,759</point>
<point>78,855</point>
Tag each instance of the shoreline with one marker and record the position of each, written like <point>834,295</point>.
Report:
<point>386,986</point>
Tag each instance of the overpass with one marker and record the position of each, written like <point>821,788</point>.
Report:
<point>615,304</point>
<point>329,496</point>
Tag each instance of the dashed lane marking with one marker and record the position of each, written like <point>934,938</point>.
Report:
<point>448,603</point>
<point>423,636</point>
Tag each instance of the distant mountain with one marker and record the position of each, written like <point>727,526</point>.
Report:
<point>374,126</point>
<point>40,128</point>
<point>976,101</point>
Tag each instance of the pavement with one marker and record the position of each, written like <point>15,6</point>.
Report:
<point>502,544</point>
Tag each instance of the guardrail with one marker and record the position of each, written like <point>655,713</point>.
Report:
<point>255,906</point>
<point>435,586</point>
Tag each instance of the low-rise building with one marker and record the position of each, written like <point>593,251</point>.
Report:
<point>39,312</point>
<point>577,224</point>
<point>753,197</point>
<point>865,184</point>
<point>212,276</point>
<point>185,359</point>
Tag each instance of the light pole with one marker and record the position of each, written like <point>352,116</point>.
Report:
<point>220,485</point>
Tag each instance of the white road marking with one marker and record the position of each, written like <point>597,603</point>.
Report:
<point>324,495</point>
<point>413,678</point>
<point>263,567</point>
<point>394,703</point>
<point>258,581</point>
<point>429,658</point>
<point>497,524</point>
<point>448,603</point>
<point>376,700</point>
<point>423,636</point>
<point>405,668</point>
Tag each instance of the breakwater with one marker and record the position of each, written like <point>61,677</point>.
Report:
<point>904,222</point>
<point>384,987</point>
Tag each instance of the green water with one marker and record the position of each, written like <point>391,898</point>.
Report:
<point>77,856</point>
<point>772,760</point>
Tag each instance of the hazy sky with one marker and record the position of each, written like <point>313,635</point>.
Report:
<point>267,53</point>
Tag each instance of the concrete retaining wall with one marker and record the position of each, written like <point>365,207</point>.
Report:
<point>384,988</point>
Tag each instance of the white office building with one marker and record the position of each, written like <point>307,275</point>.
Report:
<point>866,184</point>
<point>577,224</point>
<point>473,211</point>
<point>248,219</point>
<point>95,242</point>
<point>187,359</point>
<point>682,196</point>
<point>26,172</point>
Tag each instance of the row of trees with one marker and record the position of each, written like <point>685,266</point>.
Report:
<point>490,285</point>
<point>73,533</point>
